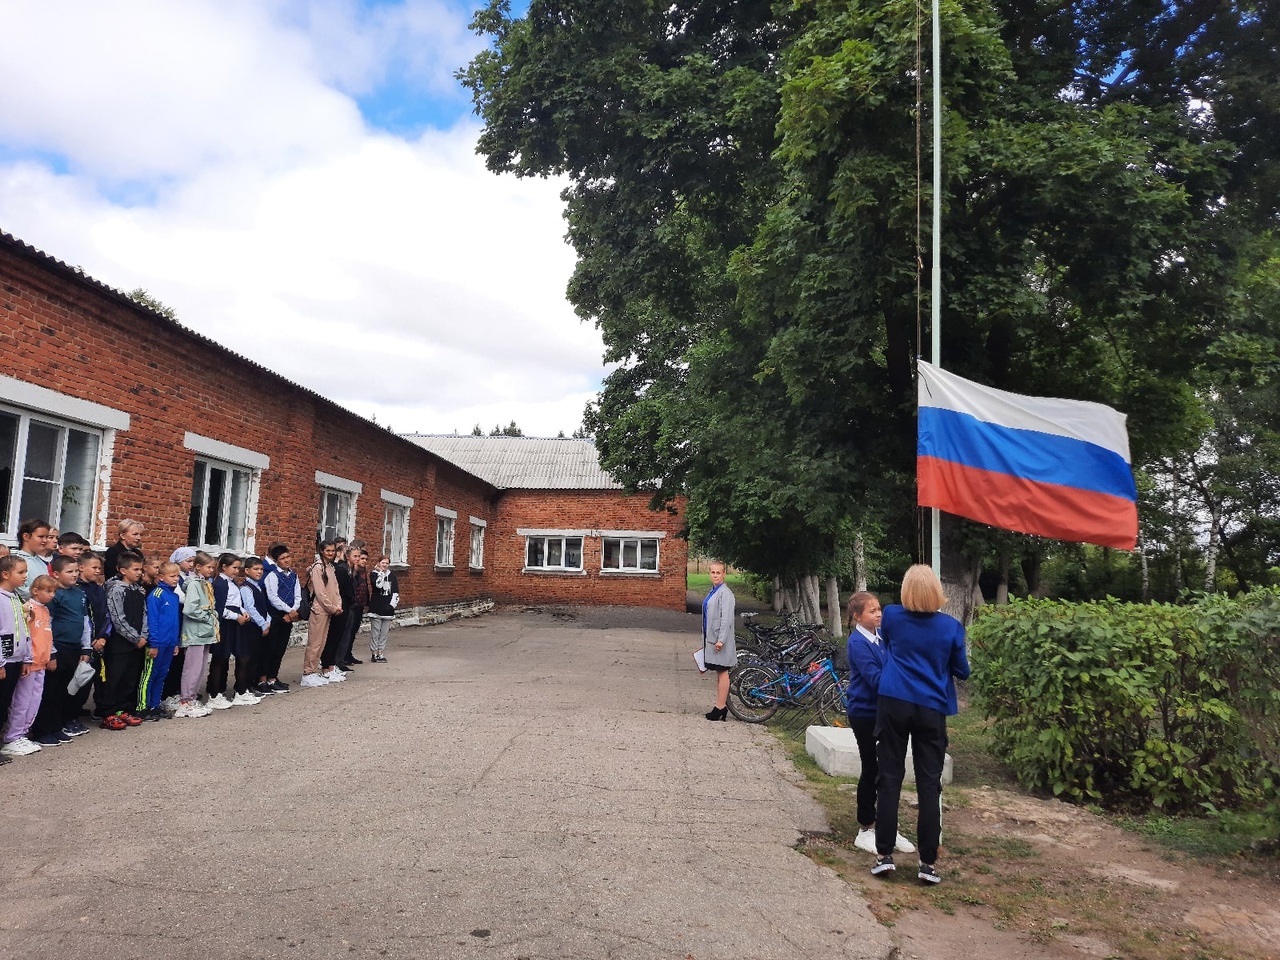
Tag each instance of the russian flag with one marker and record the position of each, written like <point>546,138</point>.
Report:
<point>1040,465</point>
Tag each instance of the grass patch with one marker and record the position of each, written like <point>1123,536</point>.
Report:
<point>1204,837</point>
<point>701,582</point>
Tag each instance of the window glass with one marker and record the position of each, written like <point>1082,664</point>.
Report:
<point>554,553</point>
<point>40,486</point>
<point>79,483</point>
<point>219,517</point>
<point>395,538</point>
<point>573,552</point>
<point>8,456</point>
<point>215,506</point>
<point>199,474</point>
<point>629,553</point>
<point>648,554</point>
<point>237,511</point>
<point>535,552</point>
<point>335,513</point>
<point>477,546</point>
<point>444,541</point>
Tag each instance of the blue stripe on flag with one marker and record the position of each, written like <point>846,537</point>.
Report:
<point>1041,457</point>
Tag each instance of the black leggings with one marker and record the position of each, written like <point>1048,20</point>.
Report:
<point>219,667</point>
<point>274,645</point>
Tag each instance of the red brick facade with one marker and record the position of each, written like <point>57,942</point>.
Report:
<point>591,514</point>
<point>63,333</point>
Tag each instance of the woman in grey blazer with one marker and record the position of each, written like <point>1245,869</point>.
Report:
<point>718,648</point>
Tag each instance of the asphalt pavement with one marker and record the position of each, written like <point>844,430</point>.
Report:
<point>526,784</point>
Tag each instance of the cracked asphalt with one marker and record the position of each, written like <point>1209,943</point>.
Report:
<point>527,784</point>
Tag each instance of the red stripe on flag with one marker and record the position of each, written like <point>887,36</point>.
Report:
<point>1012,503</point>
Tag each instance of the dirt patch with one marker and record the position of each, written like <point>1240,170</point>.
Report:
<point>1033,879</point>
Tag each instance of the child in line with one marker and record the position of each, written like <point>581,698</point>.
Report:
<point>164,633</point>
<point>30,686</point>
<point>199,634</point>
<point>384,597</point>
<point>93,581</point>
<point>127,608</point>
<point>284,594</point>
<point>226,597</point>
<point>253,634</point>
<point>150,574</point>
<point>33,537</point>
<point>15,640</point>
<point>72,645</point>
<point>185,558</point>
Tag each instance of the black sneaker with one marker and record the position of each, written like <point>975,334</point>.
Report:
<point>63,736</point>
<point>264,689</point>
<point>354,661</point>
<point>279,686</point>
<point>5,758</point>
<point>883,865</point>
<point>154,715</point>
<point>929,875</point>
<point>343,668</point>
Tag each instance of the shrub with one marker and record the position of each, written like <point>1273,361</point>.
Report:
<point>1125,704</point>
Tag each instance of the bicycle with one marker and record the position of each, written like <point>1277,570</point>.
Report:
<point>757,691</point>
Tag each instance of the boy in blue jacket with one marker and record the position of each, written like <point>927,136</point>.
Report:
<point>164,632</point>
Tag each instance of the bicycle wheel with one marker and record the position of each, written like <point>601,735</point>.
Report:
<point>751,697</point>
<point>831,708</point>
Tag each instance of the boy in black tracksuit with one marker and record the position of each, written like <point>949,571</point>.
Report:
<point>126,647</point>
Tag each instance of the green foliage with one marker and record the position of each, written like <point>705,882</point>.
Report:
<point>1136,705</point>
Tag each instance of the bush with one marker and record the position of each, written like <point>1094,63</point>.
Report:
<point>1139,705</point>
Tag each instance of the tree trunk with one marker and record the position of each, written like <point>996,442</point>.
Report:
<point>959,574</point>
<point>833,607</point>
<point>1002,591</point>
<point>811,602</point>
<point>859,564</point>
<point>1146,569</point>
<point>1211,552</point>
<point>1031,562</point>
<point>779,595</point>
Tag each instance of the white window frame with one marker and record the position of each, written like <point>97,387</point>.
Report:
<point>27,402</point>
<point>343,491</point>
<point>636,537</point>
<point>476,560</point>
<point>217,455</point>
<point>395,543</point>
<point>446,521</point>
<point>550,535</point>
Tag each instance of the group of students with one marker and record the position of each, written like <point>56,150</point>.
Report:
<point>147,637</point>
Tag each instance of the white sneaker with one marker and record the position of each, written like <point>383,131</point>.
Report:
<point>185,710</point>
<point>903,845</point>
<point>335,676</point>
<point>21,747</point>
<point>243,700</point>
<point>313,680</point>
<point>200,710</point>
<point>219,703</point>
<point>171,703</point>
<point>866,840</point>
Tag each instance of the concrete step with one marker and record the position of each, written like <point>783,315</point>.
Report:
<point>836,752</point>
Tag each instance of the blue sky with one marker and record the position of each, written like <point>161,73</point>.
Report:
<point>297,178</point>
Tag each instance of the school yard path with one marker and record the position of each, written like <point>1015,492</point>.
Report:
<point>527,784</point>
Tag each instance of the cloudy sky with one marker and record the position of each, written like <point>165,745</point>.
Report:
<point>297,178</point>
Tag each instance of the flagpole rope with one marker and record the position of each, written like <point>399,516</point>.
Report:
<point>919,113</point>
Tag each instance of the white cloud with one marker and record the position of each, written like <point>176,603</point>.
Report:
<point>396,275</point>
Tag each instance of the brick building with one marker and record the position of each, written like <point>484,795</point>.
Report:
<point>110,410</point>
<point>563,530</point>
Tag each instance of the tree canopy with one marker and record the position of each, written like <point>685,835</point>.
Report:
<point>745,203</point>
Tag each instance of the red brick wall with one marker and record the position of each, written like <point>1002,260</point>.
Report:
<point>64,333</point>
<point>590,511</point>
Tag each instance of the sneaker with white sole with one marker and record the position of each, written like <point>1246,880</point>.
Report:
<point>903,845</point>
<point>245,699</point>
<point>218,703</point>
<point>313,680</point>
<point>866,840</point>
<point>200,710</point>
<point>171,703</point>
<point>882,865</point>
<point>184,710</point>
<point>928,874</point>
<point>20,747</point>
<point>335,676</point>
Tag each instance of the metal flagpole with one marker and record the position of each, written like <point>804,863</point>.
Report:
<point>935,294</point>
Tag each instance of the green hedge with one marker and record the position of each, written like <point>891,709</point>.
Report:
<point>1125,704</point>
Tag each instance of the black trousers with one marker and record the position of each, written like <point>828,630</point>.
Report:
<point>864,732</point>
<point>123,665</point>
<point>219,669</point>
<point>173,679</point>
<point>334,639</point>
<point>354,619</point>
<point>12,674</point>
<point>57,707</point>
<point>274,645</point>
<point>898,722</point>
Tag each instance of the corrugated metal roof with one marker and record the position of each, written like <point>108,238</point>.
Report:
<point>523,463</point>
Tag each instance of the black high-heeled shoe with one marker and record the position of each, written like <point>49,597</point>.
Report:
<point>718,713</point>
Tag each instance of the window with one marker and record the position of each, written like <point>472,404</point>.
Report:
<point>477,544</point>
<point>335,514</point>
<point>337,506</point>
<point>395,533</point>
<point>445,519</point>
<point>48,469</point>
<point>553,553</point>
<point>220,494</point>
<point>630,554</point>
